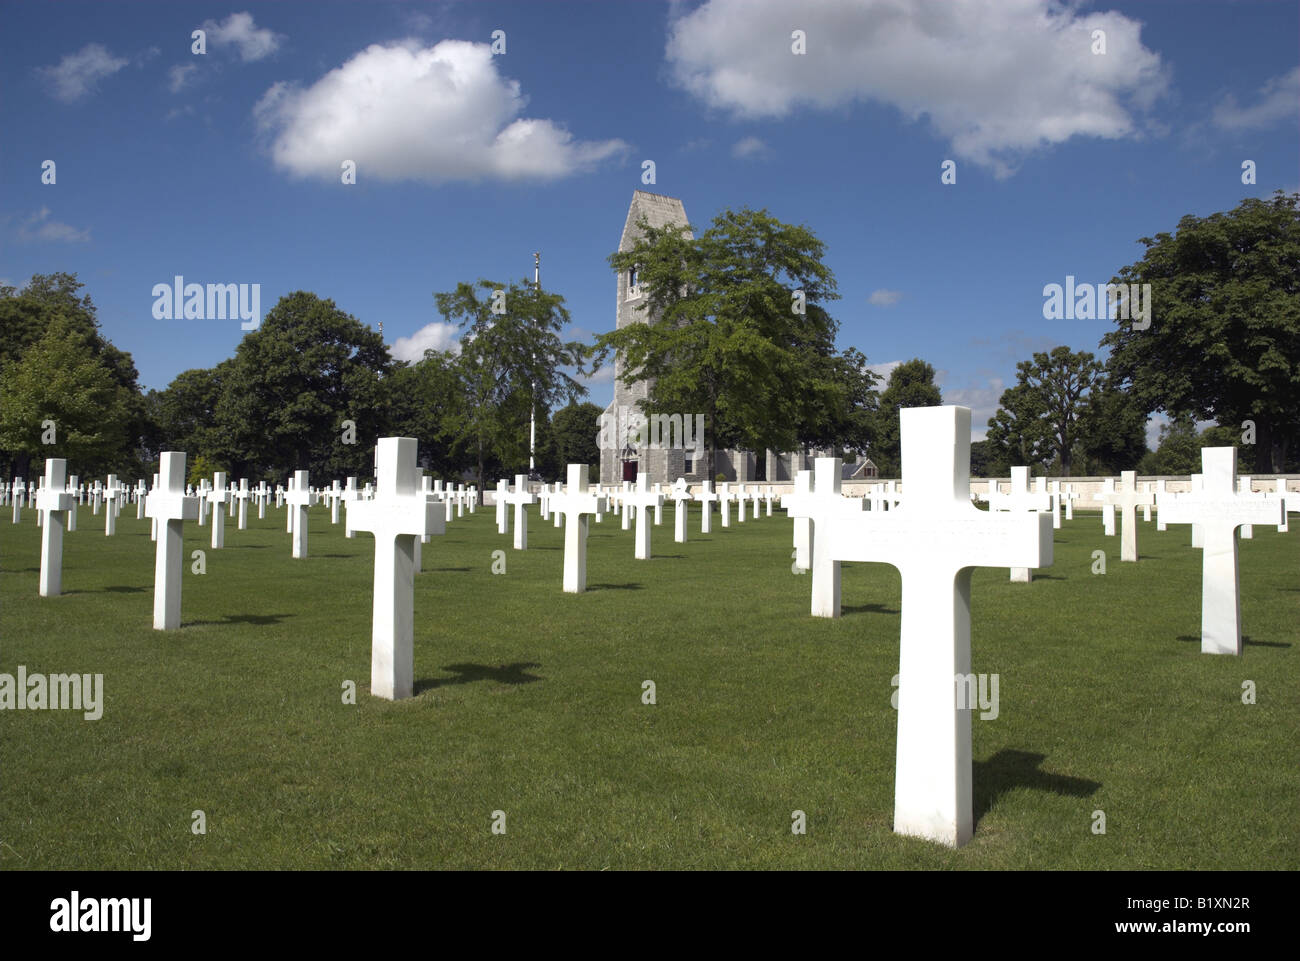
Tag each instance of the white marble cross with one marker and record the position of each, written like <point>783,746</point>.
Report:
<point>642,499</point>
<point>1150,488</point>
<point>1290,502</point>
<point>576,504</point>
<point>169,507</point>
<point>725,497</point>
<point>218,497</point>
<point>767,497</point>
<point>503,516</point>
<point>1198,532</point>
<point>681,509</point>
<point>1020,498</point>
<point>350,496</point>
<point>113,493</point>
<point>399,515</point>
<point>1107,508</point>
<point>1218,510</point>
<point>1246,488</point>
<point>241,494</point>
<point>335,496</point>
<point>54,501</point>
<point>141,494</point>
<point>706,497</point>
<point>659,508</point>
<point>823,508</point>
<point>624,506</point>
<point>17,498</point>
<point>1161,492</point>
<point>1056,505</point>
<point>520,498</point>
<point>1069,497</point>
<point>299,499</point>
<point>800,505</point>
<point>935,539</point>
<point>1127,500</point>
<point>741,495</point>
<point>74,490</point>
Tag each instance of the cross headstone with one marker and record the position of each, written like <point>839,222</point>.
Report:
<point>935,539</point>
<point>242,494</point>
<point>1150,488</point>
<point>1161,493</point>
<point>741,495</point>
<point>18,490</point>
<point>153,529</point>
<point>350,496</point>
<point>706,497</point>
<point>800,505</point>
<point>1244,485</point>
<point>642,498</point>
<point>299,498</point>
<point>1127,500</point>
<point>520,498</point>
<point>1020,498</point>
<point>169,507</point>
<point>503,516</point>
<point>767,496</point>
<point>576,504</point>
<point>625,506</point>
<point>141,494</point>
<point>725,497</point>
<point>399,516</point>
<point>681,509</point>
<point>335,499</point>
<point>263,498</point>
<point>1107,508</point>
<point>1069,496</point>
<point>1290,502</point>
<point>659,508</point>
<point>54,501</point>
<point>73,489</point>
<point>217,497</point>
<point>112,492</point>
<point>1198,532</point>
<point>1219,510</point>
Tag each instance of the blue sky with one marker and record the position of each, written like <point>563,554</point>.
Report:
<point>225,167</point>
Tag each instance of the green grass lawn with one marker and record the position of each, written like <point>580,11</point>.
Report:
<point>528,701</point>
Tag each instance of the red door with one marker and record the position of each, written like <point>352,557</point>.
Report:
<point>629,470</point>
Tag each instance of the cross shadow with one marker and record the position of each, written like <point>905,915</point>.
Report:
<point>468,673</point>
<point>1009,769</point>
<point>614,587</point>
<point>430,570</point>
<point>1245,640</point>
<point>867,609</point>
<point>541,548</point>
<point>1047,577</point>
<point>343,556</point>
<point>124,589</point>
<point>251,547</point>
<point>670,557</point>
<point>259,619</point>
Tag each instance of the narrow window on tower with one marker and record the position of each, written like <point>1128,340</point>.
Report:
<point>632,283</point>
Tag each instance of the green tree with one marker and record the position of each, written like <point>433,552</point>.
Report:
<point>424,402</point>
<point>741,335</point>
<point>1113,433</point>
<point>576,428</point>
<point>59,378</point>
<point>293,383</point>
<point>186,412</point>
<point>1224,336</point>
<point>1018,433</point>
<point>911,384</point>
<point>512,360</point>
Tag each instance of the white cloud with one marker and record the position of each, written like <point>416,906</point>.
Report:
<point>602,375</point>
<point>749,147</point>
<point>39,228</point>
<point>885,298</point>
<point>240,32</point>
<point>981,399</point>
<point>179,75</point>
<point>407,112</point>
<point>883,371</point>
<point>996,78</point>
<point>434,336</point>
<point>1277,103</point>
<point>77,74</point>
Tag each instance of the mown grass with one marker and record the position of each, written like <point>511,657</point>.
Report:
<point>529,701</point>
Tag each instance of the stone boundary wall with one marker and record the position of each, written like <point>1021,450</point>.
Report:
<point>1085,486</point>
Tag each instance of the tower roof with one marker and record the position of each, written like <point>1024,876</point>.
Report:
<point>658,211</point>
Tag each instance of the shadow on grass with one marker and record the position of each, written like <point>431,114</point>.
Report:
<point>1048,577</point>
<point>867,609</point>
<point>125,589</point>
<point>260,620</point>
<point>1245,639</point>
<point>1007,770</point>
<point>343,556</point>
<point>468,673</point>
<point>614,587</point>
<point>430,570</point>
